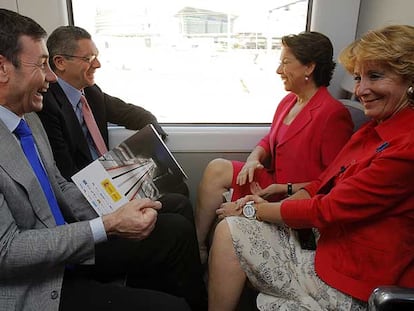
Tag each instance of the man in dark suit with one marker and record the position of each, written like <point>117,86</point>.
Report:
<point>74,59</point>
<point>69,262</point>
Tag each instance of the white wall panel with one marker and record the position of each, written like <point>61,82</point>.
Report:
<point>338,20</point>
<point>8,4</point>
<point>48,13</point>
<point>379,13</point>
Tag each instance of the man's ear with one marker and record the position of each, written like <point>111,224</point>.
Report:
<point>59,62</point>
<point>4,69</point>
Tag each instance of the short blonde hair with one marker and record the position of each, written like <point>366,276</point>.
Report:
<point>392,46</point>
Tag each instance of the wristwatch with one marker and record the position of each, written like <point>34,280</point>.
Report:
<point>289,189</point>
<point>249,211</point>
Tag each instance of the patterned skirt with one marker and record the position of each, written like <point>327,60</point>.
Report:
<point>282,271</point>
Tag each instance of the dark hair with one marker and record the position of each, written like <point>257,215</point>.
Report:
<point>313,47</point>
<point>12,27</point>
<point>64,40</point>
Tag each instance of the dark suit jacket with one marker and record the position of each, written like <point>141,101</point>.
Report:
<point>69,145</point>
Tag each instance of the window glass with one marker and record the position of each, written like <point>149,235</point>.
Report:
<point>193,61</point>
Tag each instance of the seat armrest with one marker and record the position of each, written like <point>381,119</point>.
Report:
<point>387,298</point>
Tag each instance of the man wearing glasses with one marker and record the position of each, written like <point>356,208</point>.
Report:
<point>55,252</point>
<point>74,59</point>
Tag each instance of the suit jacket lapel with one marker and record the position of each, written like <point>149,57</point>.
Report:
<point>302,119</point>
<point>275,128</point>
<point>15,163</point>
<point>78,138</point>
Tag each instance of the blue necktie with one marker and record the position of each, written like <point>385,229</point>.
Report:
<point>26,140</point>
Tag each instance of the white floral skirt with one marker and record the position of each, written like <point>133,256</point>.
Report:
<point>282,271</point>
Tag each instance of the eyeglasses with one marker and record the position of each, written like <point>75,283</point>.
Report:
<point>88,59</point>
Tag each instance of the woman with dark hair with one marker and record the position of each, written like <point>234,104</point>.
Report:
<point>361,205</point>
<point>308,130</point>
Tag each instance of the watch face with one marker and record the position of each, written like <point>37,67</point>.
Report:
<point>249,211</point>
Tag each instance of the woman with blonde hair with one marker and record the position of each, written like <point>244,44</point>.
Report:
<point>361,205</point>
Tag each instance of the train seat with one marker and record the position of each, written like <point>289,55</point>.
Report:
<point>357,112</point>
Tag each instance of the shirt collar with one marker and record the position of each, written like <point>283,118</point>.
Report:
<point>9,119</point>
<point>71,93</point>
<point>399,124</point>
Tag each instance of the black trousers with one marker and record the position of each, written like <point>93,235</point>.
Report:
<point>158,270</point>
<point>82,293</point>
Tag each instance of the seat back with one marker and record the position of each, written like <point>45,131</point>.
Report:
<point>357,112</point>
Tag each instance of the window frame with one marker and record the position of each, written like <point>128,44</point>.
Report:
<point>211,124</point>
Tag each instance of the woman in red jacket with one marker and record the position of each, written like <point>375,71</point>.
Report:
<point>362,204</point>
<point>308,130</point>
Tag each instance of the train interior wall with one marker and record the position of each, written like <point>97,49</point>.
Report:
<point>195,146</point>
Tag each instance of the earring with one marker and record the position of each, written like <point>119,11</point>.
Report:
<point>307,78</point>
<point>410,93</point>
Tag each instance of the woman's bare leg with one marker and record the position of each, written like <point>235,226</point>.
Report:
<point>216,180</point>
<point>226,277</point>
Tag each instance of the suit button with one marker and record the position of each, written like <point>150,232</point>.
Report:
<point>54,294</point>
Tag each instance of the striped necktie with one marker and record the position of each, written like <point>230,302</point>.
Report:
<point>93,127</point>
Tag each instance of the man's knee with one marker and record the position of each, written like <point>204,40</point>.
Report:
<point>175,226</point>
<point>178,204</point>
<point>176,199</point>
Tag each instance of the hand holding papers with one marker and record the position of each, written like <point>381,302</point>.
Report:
<point>140,167</point>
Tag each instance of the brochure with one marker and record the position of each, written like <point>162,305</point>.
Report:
<point>141,166</point>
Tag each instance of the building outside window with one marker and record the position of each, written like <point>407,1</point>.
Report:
<point>193,61</point>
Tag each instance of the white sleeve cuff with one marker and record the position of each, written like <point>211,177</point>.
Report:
<point>98,230</point>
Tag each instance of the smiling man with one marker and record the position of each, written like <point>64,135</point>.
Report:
<point>74,58</point>
<point>55,252</point>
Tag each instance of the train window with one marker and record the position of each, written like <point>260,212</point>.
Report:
<point>193,61</point>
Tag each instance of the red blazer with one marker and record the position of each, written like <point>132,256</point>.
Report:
<point>312,140</point>
<point>363,206</point>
